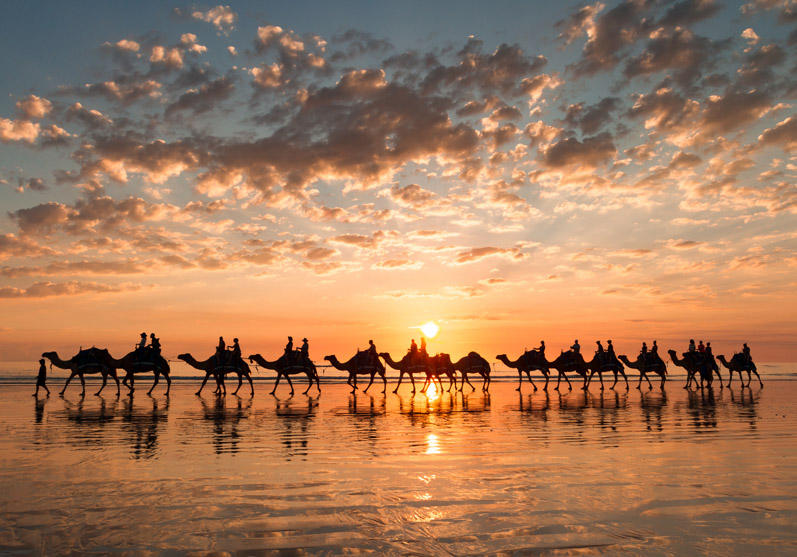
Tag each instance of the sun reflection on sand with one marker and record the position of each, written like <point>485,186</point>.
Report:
<point>432,393</point>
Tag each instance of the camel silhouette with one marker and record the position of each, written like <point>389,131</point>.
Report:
<point>605,363</point>
<point>649,362</point>
<point>527,362</point>
<point>739,363</point>
<point>473,363</point>
<point>362,363</point>
<point>410,364</point>
<point>212,366</point>
<point>88,361</point>
<point>287,367</point>
<point>695,364</point>
<point>144,360</point>
<point>437,365</point>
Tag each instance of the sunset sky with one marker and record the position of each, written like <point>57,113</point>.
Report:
<point>513,171</point>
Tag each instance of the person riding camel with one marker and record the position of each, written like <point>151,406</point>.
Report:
<point>423,346</point>
<point>142,344</point>
<point>541,348</point>
<point>692,345</point>
<point>236,350</point>
<point>576,347</point>
<point>220,351</point>
<point>654,349</point>
<point>289,350</point>
<point>372,355</point>
<point>610,350</point>
<point>700,347</point>
<point>304,351</point>
<point>708,349</point>
<point>644,351</point>
<point>413,347</point>
<point>155,343</point>
<point>746,352</point>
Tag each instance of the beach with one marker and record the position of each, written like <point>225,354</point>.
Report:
<point>648,472</point>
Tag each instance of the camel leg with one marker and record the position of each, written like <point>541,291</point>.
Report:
<point>202,386</point>
<point>615,379</point>
<point>279,376</point>
<point>425,383</point>
<point>131,384</point>
<point>650,385</point>
<point>528,374</point>
<point>663,379</point>
<point>251,385</point>
<point>384,383</point>
<point>240,382</point>
<point>472,388</point>
<point>82,384</point>
<point>288,377</point>
<point>626,380</point>
<point>68,379</point>
<point>157,378</point>
<point>452,380</point>
<point>168,383</point>
<point>547,378</point>
<point>317,382</point>
<point>116,378</point>
<point>354,387</point>
<point>760,383</point>
<point>519,379</point>
<point>569,385</point>
<point>371,382</point>
<point>600,376</point>
<point>104,381</point>
<point>401,374</point>
<point>585,385</point>
<point>487,381</point>
<point>412,378</point>
<point>309,383</point>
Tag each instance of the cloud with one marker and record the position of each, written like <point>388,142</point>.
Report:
<point>678,49</point>
<point>223,18</point>
<point>125,91</point>
<point>686,12</point>
<point>18,130</point>
<point>169,57</point>
<point>570,152</point>
<point>91,118</point>
<point>783,135</point>
<point>124,46</point>
<point>12,245</point>
<point>71,288</point>
<point>580,22</point>
<point>33,107</point>
<point>473,255</point>
<point>413,196</point>
<point>204,99</point>
<point>591,119</point>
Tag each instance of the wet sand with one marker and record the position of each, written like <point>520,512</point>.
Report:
<point>608,472</point>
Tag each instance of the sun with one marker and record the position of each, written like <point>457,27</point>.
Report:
<point>429,329</point>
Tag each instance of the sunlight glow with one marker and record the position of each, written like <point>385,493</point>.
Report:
<point>432,444</point>
<point>431,393</point>
<point>429,329</point>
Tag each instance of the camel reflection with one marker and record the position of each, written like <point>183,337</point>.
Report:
<point>142,424</point>
<point>225,421</point>
<point>744,402</point>
<point>296,417</point>
<point>702,408</point>
<point>653,405</point>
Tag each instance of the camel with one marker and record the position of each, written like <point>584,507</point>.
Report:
<point>527,362</point>
<point>693,363</point>
<point>212,367</point>
<point>286,367</point>
<point>473,363</point>
<point>144,361</point>
<point>650,362</point>
<point>605,362</point>
<point>89,361</point>
<point>570,361</point>
<point>739,363</point>
<point>360,364</point>
<point>409,364</point>
<point>440,364</point>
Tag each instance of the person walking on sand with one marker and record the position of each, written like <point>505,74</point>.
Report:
<point>41,379</point>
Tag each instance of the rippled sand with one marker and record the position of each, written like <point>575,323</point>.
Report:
<point>605,472</point>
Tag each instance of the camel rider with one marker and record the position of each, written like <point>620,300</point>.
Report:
<point>541,349</point>
<point>142,344</point>
<point>708,349</point>
<point>413,347</point>
<point>236,350</point>
<point>289,350</point>
<point>155,343</point>
<point>700,347</point>
<point>576,348</point>
<point>600,347</point>
<point>610,350</point>
<point>746,352</point>
<point>692,345</point>
<point>423,345</point>
<point>372,355</point>
<point>304,351</point>
<point>220,351</point>
<point>644,351</point>
<point>654,349</point>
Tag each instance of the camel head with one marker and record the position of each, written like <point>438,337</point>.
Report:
<point>330,357</point>
<point>50,355</point>
<point>501,357</point>
<point>183,357</point>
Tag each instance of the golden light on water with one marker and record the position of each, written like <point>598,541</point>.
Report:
<point>429,329</point>
<point>432,444</point>
<point>431,393</point>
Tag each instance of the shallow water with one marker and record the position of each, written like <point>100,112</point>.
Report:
<point>611,472</point>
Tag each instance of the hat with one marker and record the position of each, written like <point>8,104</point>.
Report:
<point>41,361</point>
